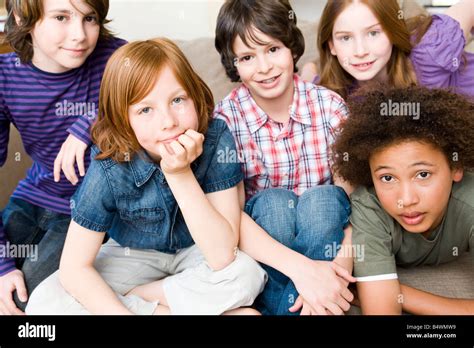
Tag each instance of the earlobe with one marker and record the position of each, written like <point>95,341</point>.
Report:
<point>458,174</point>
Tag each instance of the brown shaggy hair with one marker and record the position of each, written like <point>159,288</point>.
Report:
<point>446,121</point>
<point>239,18</point>
<point>29,12</point>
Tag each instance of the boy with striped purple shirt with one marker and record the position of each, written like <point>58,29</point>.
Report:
<point>49,91</point>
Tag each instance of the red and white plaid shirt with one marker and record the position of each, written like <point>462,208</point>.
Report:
<point>293,156</point>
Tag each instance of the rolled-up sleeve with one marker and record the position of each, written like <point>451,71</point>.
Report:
<point>93,205</point>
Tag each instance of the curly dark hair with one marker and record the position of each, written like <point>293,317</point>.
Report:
<point>273,18</point>
<point>445,120</point>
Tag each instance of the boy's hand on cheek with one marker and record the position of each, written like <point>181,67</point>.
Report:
<point>177,156</point>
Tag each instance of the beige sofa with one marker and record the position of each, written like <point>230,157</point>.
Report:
<point>454,280</point>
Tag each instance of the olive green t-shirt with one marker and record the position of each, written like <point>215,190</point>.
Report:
<point>381,244</point>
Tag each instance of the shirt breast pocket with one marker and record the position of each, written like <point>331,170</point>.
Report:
<point>145,220</point>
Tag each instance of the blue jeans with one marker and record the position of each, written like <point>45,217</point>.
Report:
<point>311,224</point>
<point>28,224</point>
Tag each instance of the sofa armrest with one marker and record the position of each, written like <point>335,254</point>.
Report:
<point>14,168</point>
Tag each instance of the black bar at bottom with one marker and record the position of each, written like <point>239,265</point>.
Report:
<point>137,330</point>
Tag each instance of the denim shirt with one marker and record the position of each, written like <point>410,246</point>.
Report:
<point>133,203</point>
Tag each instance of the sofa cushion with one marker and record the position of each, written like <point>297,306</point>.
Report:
<point>14,168</point>
<point>452,279</point>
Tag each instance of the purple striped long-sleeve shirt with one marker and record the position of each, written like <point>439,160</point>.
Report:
<point>46,108</point>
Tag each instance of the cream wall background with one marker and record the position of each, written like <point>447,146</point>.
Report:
<point>182,19</point>
<point>175,19</point>
<point>187,19</point>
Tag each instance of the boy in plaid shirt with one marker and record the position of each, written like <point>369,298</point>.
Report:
<point>294,218</point>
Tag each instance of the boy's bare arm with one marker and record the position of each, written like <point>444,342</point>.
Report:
<point>380,297</point>
<point>345,257</point>
<point>424,303</point>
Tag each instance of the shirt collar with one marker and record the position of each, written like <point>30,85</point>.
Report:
<point>299,111</point>
<point>143,168</point>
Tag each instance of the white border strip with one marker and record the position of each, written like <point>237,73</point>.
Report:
<point>377,277</point>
